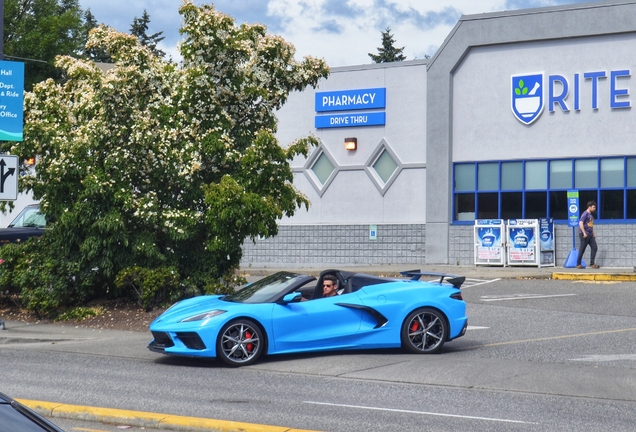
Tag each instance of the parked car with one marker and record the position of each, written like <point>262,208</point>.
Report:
<point>15,417</point>
<point>29,223</point>
<point>287,313</point>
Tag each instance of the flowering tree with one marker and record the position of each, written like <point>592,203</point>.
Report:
<point>155,165</point>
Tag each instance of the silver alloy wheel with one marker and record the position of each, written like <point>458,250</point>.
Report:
<point>424,331</point>
<point>240,343</point>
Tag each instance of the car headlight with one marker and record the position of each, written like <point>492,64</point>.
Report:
<point>203,316</point>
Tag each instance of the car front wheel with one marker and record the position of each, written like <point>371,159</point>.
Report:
<point>240,343</point>
<point>424,331</point>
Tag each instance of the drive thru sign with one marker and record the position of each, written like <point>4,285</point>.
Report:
<point>8,178</point>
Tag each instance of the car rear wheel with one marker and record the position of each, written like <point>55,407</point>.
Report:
<point>240,343</point>
<point>424,331</point>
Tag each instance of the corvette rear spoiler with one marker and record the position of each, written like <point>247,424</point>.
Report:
<point>454,280</point>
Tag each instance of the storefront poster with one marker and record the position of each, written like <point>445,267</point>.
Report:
<point>489,243</point>
<point>522,234</point>
<point>546,234</point>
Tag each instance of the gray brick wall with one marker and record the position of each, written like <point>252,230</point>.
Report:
<point>321,245</point>
<point>349,245</point>
<point>616,245</point>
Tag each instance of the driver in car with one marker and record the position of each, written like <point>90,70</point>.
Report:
<point>329,286</point>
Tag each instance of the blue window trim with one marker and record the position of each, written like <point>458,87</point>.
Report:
<point>547,191</point>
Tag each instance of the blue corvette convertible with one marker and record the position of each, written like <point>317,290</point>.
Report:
<point>287,313</point>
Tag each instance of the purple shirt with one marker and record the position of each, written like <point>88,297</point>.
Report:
<point>588,222</point>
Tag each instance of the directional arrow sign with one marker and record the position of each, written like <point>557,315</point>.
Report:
<point>8,178</point>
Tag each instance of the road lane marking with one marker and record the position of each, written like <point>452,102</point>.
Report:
<point>476,328</point>
<point>476,282</point>
<point>608,357</point>
<point>597,282</point>
<point>552,338</point>
<point>522,297</point>
<point>419,412</point>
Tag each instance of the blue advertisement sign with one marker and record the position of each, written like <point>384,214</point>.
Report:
<point>350,120</point>
<point>489,222</point>
<point>546,234</point>
<point>522,238</point>
<point>489,237</point>
<point>347,100</point>
<point>11,100</point>
<point>573,208</point>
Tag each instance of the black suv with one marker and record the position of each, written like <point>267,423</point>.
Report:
<point>29,223</point>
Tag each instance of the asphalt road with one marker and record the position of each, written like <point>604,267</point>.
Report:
<point>540,355</point>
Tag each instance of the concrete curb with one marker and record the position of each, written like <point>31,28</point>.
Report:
<point>615,277</point>
<point>147,419</point>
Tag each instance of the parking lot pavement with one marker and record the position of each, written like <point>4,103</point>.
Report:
<point>100,342</point>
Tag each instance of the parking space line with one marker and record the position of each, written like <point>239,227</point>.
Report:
<point>420,412</point>
<point>523,297</point>
<point>476,282</point>
<point>606,357</point>
<point>553,338</point>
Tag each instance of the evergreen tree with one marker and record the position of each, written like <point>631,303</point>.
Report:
<point>139,28</point>
<point>388,52</point>
<point>96,54</point>
<point>36,31</point>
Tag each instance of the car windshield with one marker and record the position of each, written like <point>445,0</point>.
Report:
<point>30,217</point>
<point>265,289</point>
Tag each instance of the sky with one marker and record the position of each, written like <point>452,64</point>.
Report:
<point>342,32</point>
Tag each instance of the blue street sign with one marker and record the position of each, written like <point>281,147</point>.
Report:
<point>573,208</point>
<point>347,100</point>
<point>11,100</point>
<point>350,120</point>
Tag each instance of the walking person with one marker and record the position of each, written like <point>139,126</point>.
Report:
<point>587,235</point>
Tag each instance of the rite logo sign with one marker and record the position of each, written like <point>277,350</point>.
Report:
<point>528,92</point>
<point>8,178</point>
<point>527,97</point>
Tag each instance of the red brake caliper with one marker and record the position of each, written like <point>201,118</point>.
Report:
<point>415,326</point>
<point>250,347</point>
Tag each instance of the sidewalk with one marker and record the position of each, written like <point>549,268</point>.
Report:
<point>471,272</point>
<point>87,340</point>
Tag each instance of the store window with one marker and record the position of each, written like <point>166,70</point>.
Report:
<point>511,175</point>
<point>536,175</point>
<point>612,173</point>
<point>538,188</point>
<point>322,168</point>
<point>465,177</point>
<point>385,166</point>
<point>585,173</point>
<point>488,176</point>
<point>561,174</point>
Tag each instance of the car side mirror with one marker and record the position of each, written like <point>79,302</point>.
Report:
<point>291,298</point>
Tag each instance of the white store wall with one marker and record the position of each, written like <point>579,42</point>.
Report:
<point>484,126</point>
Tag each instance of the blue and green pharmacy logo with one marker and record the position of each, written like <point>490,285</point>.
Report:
<point>527,97</point>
